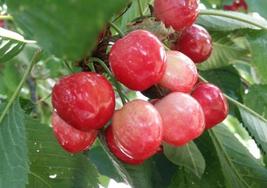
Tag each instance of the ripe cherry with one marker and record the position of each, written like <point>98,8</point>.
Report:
<point>182,116</point>
<point>178,14</point>
<point>137,129</point>
<point>181,73</point>
<point>116,151</point>
<point>213,102</point>
<point>84,100</point>
<point>196,43</point>
<point>138,60</point>
<point>71,139</point>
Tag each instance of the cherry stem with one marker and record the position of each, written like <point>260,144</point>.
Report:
<point>236,103</point>
<point>140,8</point>
<point>6,17</point>
<point>116,83</point>
<point>116,28</point>
<point>35,59</point>
<point>231,16</point>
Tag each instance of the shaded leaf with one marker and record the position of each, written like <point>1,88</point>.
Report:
<point>225,51</point>
<point>68,30</point>
<point>51,166</point>
<point>258,45</point>
<point>256,99</point>
<point>187,156</point>
<point>14,160</point>
<point>239,167</point>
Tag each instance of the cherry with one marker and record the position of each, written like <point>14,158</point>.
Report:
<point>2,23</point>
<point>213,103</point>
<point>138,60</point>
<point>181,73</point>
<point>236,5</point>
<point>116,151</point>
<point>137,129</point>
<point>178,14</point>
<point>196,43</point>
<point>182,116</point>
<point>71,139</point>
<point>84,100</point>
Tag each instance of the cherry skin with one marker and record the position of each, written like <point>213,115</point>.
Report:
<point>196,43</point>
<point>116,151</point>
<point>138,60</point>
<point>213,103</point>
<point>71,139</point>
<point>137,129</point>
<point>84,100</point>
<point>182,116</point>
<point>181,73</point>
<point>178,14</point>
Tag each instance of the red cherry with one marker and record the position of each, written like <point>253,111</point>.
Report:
<point>138,60</point>
<point>230,7</point>
<point>240,4</point>
<point>71,139</point>
<point>116,151</point>
<point>196,43</point>
<point>181,73</point>
<point>137,129</point>
<point>2,23</point>
<point>178,14</point>
<point>182,116</point>
<point>84,100</point>
<point>213,102</point>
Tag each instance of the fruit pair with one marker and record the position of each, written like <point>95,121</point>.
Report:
<point>84,102</point>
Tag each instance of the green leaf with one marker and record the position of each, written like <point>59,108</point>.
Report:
<point>258,46</point>
<point>14,160</point>
<point>256,99</point>
<point>103,163</point>
<point>51,166</point>
<point>219,20</point>
<point>68,30</point>
<point>132,13</point>
<point>253,114</point>
<point>239,167</point>
<point>257,6</point>
<point>225,51</point>
<point>187,156</point>
<point>11,44</point>
<point>227,79</point>
<point>153,173</point>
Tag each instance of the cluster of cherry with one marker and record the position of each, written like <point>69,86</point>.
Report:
<point>85,102</point>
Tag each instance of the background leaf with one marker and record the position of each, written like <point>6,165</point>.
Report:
<point>256,99</point>
<point>258,46</point>
<point>219,23</point>
<point>239,167</point>
<point>225,51</point>
<point>11,44</point>
<point>68,30</point>
<point>51,166</point>
<point>257,6</point>
<point>187,156</point>
<point>14,159</point>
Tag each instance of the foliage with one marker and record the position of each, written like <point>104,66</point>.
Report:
<point>68,33</point>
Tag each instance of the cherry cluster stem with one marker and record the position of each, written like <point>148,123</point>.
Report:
<point>115,82</point>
